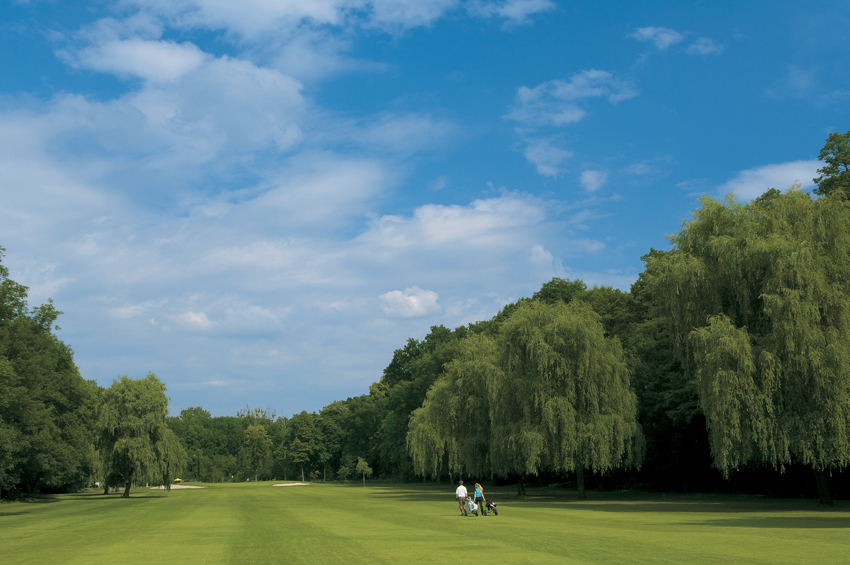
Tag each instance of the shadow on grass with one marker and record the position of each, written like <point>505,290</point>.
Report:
<point>622,502</point>
<point>95,496</point>
<point>2,514</point>
<point>815,522</point>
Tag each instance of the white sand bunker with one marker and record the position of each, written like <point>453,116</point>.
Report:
<point>291,485</point>
<point>178,486</point>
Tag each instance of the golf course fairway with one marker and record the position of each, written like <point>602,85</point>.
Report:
<point>336,523</point>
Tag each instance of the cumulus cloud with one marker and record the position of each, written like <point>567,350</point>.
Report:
<point>487,222</point>
<point>412,302</point>
<point>555,102</point>
<point>157,61</point>
<point>661,37</point>
<point>210,222</point>
<point>593,180</point>
<point>546,156</point>
<point>752,183</point>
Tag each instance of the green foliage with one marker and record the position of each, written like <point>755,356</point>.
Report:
<point>363,469</point>
<point>835,175</point>
<point>134,441</point>
<point>306,445</point>
<point>758,299</point>
<point>560,290</point>
<point>257,450</point>
<point>551,393</point>
<point>564,401</point>
<point>451,431</point>
<point>46,408</point>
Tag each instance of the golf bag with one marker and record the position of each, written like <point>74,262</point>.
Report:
<point>471,507</point>
<point>491,507</point>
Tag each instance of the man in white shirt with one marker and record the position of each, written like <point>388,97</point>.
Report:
<point>460,495</point>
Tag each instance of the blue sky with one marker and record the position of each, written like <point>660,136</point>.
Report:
<point>261,200</point>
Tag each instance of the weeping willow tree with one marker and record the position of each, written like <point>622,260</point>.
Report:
<point>758,296</point>
<point>550,393</point>
<point>563,401</point>
<point>451,431</point>
<point>135,443</point>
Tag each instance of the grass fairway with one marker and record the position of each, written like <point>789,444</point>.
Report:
<point>258,523</point>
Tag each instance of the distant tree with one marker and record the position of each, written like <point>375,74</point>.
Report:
<point>257,450</point>
<point>564,400</point>
<point>135,442</point>
<point>307,442</point>
<point>758,299</point>
<point>347,467</point>
<point>363,468</point>
<point>835,175</point>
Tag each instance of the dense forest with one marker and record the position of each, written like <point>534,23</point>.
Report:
<point>725,367</point>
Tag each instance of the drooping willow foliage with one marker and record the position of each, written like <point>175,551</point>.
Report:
<point>551,392</point>
<point>758,296</point>
<point>135,442</point>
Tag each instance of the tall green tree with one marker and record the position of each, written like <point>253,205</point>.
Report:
<point>46,408</point>
<point>564,400</point>
<point>551,393</point>
<point>306,444</point>
<point>758,297</point>
<point>835,175</point>
<point>257,451</point>
<point>135,442</point>
<point>451,431</point>
<point>560,290</point>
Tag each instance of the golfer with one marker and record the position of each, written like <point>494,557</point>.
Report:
<point>460,495</point>
<point>480,500</point>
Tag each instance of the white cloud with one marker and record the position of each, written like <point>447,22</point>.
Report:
<point>585,245</point>
<point>752,183</point>
<point>412,302</point>
<point>485,223</point>
<point>194,319</point>
<point>253,19</point>
<point>556,102</point>
<point>593,180</point>
<point>156,61</point>
<point>394,132</point>
<point>211,214</point>
<point>704,46</point>
<point>515,11</point>
<point>546,156</point>
<point>661,37</point>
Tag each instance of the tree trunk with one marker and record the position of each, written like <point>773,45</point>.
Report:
<point>255,475</point>
<point>364,479</point>
<point>823,490</point>
<point>127,490</point>
<point>302,473</point>
<point>580,482</point>
<point>105,487</point>
<point>520,486</point>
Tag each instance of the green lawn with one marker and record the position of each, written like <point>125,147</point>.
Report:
<point>319,523</point>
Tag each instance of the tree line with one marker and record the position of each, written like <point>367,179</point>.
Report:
<point>726,366</point>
